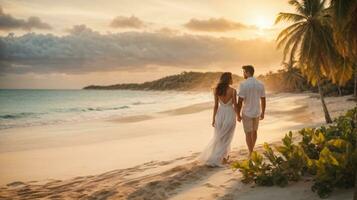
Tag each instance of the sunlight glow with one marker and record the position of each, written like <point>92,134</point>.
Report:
<point>263,22</point>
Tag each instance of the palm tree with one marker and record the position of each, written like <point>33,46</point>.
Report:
<point>345,17</point>
<point>292,75</point>
<point>310,40</point>
<point>344,14</point>
<point>345,24</point>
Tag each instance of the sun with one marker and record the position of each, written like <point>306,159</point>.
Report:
<point>263,22</point>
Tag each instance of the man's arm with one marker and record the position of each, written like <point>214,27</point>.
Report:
<point>263,103</point>
<point>235,100</point>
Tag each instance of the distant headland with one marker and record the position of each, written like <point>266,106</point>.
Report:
<point>185,81</point>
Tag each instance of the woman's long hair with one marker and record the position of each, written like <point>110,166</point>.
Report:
<point>223,84</point>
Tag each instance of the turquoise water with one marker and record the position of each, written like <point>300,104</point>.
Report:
<point>21,108</point>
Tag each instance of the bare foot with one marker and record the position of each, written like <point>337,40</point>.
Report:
<point>225,160</point>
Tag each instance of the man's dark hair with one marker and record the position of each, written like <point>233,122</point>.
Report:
<point>249,69</point>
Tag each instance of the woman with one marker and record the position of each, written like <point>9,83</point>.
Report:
<point>224,123</point>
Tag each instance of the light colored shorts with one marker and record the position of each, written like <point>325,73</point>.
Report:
<point>250,124</point>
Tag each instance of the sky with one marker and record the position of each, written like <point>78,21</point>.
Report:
<point>74,43</point>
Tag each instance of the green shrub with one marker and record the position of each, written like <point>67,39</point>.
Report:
<point>329,154</point>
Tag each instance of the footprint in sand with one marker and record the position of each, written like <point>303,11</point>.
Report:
<point>209,185</point>
<point>15,184</point>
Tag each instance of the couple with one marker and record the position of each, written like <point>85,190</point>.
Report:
<point>227,110</point>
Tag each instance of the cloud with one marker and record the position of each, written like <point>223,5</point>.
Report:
<point>84,50</point>
<point>80,29</point>
<point>168,31</point>
<point>215,25</point>
<point>127,22</point>
<point>8,22</point>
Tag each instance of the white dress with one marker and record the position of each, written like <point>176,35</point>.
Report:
<point>220,144</point>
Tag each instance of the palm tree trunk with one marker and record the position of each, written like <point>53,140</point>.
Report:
<point>355,195</point>
<point>339,90</point>
<point>355,86</point>
<point>327,114</point>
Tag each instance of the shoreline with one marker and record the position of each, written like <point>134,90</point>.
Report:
<point>190,109</point>
<point>72,107</point>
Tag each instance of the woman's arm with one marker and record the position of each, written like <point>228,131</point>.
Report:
<point>235,100</point>
<point>215,108</point>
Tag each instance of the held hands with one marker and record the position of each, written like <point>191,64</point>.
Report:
<point>239,118</point>
<point>262,116</point>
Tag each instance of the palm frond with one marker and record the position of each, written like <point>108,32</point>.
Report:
<point>341,9</point>
<point>293,40</point>
<point>343,71</point>
<point>289,17</point>
<point>287,30</point>
<point>297,44</point>
<point>282,40</point>
<point>298,6</point>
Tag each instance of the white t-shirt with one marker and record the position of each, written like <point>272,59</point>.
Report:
<point>251,90</point>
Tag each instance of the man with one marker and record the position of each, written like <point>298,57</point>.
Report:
<point>252,96</point>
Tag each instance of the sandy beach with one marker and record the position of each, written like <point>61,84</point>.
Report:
<point>149,156</point>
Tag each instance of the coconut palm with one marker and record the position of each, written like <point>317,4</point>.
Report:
<point>345,17</point>
<point>293,79</point>
<point>309,39</point>
<point>345,23</point>
<point>344,14</point>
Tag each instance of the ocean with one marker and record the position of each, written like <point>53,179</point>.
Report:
<point>25,107</point>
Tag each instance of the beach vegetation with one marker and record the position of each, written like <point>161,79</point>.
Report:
<point>327,155</point>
